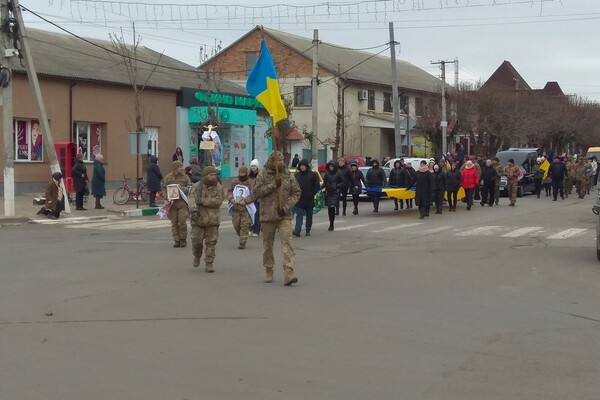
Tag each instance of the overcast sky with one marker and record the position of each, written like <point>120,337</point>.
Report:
<point>545,40</point>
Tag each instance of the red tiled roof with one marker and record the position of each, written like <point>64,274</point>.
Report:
<point>295,135</point>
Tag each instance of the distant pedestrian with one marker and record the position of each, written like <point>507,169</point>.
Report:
<point>99,181</point>
<point>488,183</point>
<point>470,180</point>
<point>309,187</point>
<point>425,186</point>
<point>80,181</point>
<point>512,173</point>
<point>395,181</point>
<point>206,199</point>
<point>499,174</point>
<point>332,181</point>
<point>411,176</point>
<point>254,170</point>
<point>154,176</point>
<point>344,173</point>
<point>195,170</point>
<point>278,191</point>
<point>538,176</point>
<point>175,186</point>
<point>356,183</point>
<point>295,161</point>
<point>55,198</point>
<point>375,179</point>
<point>240,200</point>
<point>178,155</point>
<point>453,178</point>
<point>439,178</point>
<point>558,173</point>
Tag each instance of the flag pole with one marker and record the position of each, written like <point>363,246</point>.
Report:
<point>274,134</point>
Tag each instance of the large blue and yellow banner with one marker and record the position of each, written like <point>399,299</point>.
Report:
<point>262,84</point>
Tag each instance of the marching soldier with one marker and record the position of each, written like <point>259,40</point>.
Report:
<point>499,173</point>
<point>179,212</point>
<point>205,204</point>
<point>278,193</point>
<point>570,177</point>
<point>512,178</point>
<point>241,216</point>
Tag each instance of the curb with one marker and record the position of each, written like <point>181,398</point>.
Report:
<point>140,212</point>
<point>13,220</point>
<point>71,220</point>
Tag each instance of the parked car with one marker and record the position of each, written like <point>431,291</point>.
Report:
<point>596,210</point>
<point>414,161</point>
<point>525,158</point>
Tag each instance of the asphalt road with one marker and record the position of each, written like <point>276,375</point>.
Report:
<point>496,303</point>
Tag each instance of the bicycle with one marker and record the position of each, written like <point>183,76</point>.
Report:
<point>124,194</point>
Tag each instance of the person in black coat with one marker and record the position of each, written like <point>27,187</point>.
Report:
<point>344,172</point>
<point>440,188</point>
<point>154,178</point>
<point>488,183</point>
<point>99,181</point>
<point>375,178</point>
<point>309,187</point>
<point>395,180</point>
<point>357,180</point>
<point>453,179</point>
<point>425,183</point>
<point>409,176</point>
<point>558,173</point>
<point>332,181</point>
<point>80,180</point>
<point>296,161</point>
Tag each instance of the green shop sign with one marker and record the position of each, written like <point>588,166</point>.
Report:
<point>227,99</point>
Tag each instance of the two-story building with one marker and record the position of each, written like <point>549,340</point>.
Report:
<point>364,81</point>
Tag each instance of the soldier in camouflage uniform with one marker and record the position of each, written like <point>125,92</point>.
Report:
<point>274,215</point>
<point>581,178</point>
<point>512,180</point>
<point>569,179</point>
<point>241,217</point>
<point>179,212</point>
<point>499,173</point>
<point>205,206</point>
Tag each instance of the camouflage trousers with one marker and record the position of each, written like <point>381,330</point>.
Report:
<point>568,185</point>
<point>497,191</point>
<point>582,187</point>
<point>287,250</point>
<point>241,224</point>
<point>512,187</point>
<point>178,215</point>
<point>205,235</point>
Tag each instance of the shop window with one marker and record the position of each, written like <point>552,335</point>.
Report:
<point>387,102</point>
<point>88,137</point>
<point>371,100</point>
<point>152,140</point>
<point>251,58</point>
<point>28,140</point>
<point>303,96</point>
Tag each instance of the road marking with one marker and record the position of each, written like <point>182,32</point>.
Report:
<point>393,228</point>
<point>522,231</point>
<point>482,230</point>
<point>346,228</point>
<point>568,233</point>
<point>435,230</point>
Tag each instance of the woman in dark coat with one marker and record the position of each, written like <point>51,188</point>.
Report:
<point>332,181</point>
<point>409,177</point>
<point>425,185</point>
<point>440,188</point>
<point>395,180</point>
<point>178,155</point>
<point>357,181</point>
<point>80,180</point>
<point>453,178</point>
<point>99,181</point>
<point>154,178</point>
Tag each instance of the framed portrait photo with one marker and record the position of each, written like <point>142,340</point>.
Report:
<point>173,192</point>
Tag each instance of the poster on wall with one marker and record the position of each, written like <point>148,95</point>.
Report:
<point>239,148</point>
<point>261,141</point>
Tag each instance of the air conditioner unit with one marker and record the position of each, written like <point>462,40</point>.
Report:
<point>363,94</point>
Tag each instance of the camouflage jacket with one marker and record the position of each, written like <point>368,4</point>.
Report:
<point>499,171</point>
<point>181,179</point>
<point>512,172</point>
<point>206,209</point>
<point>265,189</point>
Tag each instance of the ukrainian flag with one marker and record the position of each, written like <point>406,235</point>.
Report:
<point>545,166</point>
<point>262,84</point>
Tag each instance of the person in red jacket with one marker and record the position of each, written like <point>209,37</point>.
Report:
<point>470,180</point>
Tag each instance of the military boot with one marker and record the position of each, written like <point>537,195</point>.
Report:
<point>196,262</point>
<point>269,277</point>
<point>177,244</point>
<point>290,278</point>
<point>183,243</point>
<point>209,268</point>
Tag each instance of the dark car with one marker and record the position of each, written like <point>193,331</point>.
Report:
<point>525,158</point>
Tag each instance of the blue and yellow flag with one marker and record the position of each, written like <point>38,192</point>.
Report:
<point>262,84</point>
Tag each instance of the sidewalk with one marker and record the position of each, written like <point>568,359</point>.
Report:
<point>25,211</point>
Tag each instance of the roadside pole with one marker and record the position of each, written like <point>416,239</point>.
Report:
<point>395,100</point>
<point>7,114</point>
<point>315,87</point>
<point>36,91</point>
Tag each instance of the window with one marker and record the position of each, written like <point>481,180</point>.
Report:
<point>303,96</point>
<point>153,140</point>
<point>88,137</point>
<point>251,58</point>
<point>28,140</point>
<point>404,109</point>
<point>371,100</point>
<point>387,102</point>
<point>418,106</point>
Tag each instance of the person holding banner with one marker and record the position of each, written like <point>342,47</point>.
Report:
<point>174,185</point>
<point>538,176</point>
<point>242,206</point>
<point>453,179</point>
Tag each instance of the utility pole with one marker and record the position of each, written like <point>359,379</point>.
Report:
<point>395,99</point>
<point>36,91</point>
<point>315,87</point>
<point>444,121</point>
<point>7,112</point>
